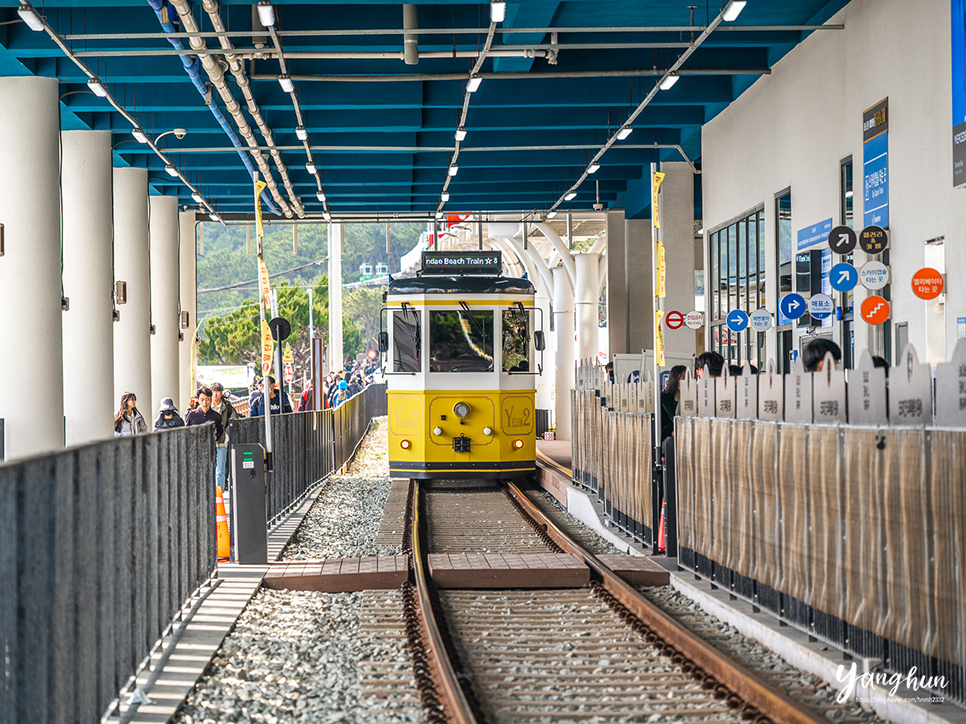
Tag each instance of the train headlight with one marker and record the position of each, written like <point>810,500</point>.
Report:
<point>517,444</point>
<point>437,431</point>
<point>461,409</point>
<point>487,431</point>
<point>405,444</point>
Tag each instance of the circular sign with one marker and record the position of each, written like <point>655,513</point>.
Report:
<point>875,310</point>
<point>737,320</point>
<point>873,240</point>
<point>289,374</point>
<point>821,306</point>
<point>281,328</point>
<point>927,283</point>
<point>843,277</point>
<point>674,320</point>
<point>842,240</point>
<point>694,320</point>
<point>372,354</point>
<point>874,275</point>
<point>760,319</point>
<point>792,305</point>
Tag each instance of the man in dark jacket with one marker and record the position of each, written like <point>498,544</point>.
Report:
<point>203,413</point>
<point>225,409</point>
<point>168,416</point>
<point>278,403</point>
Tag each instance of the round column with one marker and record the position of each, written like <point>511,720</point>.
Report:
<point>564,370</point>
<point>132,333</point>
<point>188,261</point>
<point>89,404</point>
<point>335,297</point>
<point>31,355</point>
<point>541,320</point>
<point>165,291</point>
<point>586,293</point>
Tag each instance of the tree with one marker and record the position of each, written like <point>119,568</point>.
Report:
<point>364,306</point>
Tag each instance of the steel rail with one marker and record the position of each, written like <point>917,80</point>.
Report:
<point>756,692</point>
<point>452,695</point>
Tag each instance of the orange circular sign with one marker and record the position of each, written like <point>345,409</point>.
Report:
<point>875,310</point>
<point>927,283</point>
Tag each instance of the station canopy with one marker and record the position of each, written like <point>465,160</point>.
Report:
<point>370,109</point>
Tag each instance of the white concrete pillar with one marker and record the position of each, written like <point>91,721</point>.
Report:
<point>541,320</point>
<point>165,290</point>
<point>89,404</point>
<point>188,262</point>
<point>615,264</point>
<point>564,370</point>
<point>586,295</point>
<point>677,234</point>
<point>335,296</point>
<point>132,333</point>
<point>31,354</point>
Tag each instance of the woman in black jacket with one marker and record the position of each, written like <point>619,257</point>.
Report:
<point>669,400</point>
<point>168,416</point>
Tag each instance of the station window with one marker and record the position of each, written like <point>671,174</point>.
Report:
<point>406,341</point>
<point>461,341</point>
<point>516,340</point>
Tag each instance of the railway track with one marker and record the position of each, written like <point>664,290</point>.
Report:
<point>603,654</point>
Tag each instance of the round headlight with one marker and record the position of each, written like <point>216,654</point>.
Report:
<point>405,444</point>
<point>461,409</point>
<point>517,444</point>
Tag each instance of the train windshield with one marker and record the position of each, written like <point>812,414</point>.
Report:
<point>406,342</point>
<point>516,340</point>
<point>461,341</point>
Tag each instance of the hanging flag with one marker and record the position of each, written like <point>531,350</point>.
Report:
<point>259,187</point>
<point>268,347</point>
<point>661,271</point>
<point>264,285</point>
<point>659,338</point>
<point>658,179</point>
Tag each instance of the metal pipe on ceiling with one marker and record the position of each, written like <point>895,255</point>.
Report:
<point>410,40</point>
<point>432,149</point>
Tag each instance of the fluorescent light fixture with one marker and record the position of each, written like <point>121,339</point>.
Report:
<point>197,197</point>
<point>30,16</point>
<point>444,197</point>
<point>473,84</point>
<point>214,217</point>
<point>301,133</point>
<point>98,88</point>
<point>551,213</point>
<point>266,14</point>
<point>139,135</point>
<point>439,214</point>
<point>172,171</point>
<point>286,82</point>
<point>849,194</point>
<point>327,216</point>
<point>453,169</point>
<point>311,168</point>
<point>624,132</point>
<point>320,195</point>
<point>593,168</point>
<point>733,10</point>
<point>497,12</point>
<point>570,196</point>
<point>460,133</point>
<point>669,81</point>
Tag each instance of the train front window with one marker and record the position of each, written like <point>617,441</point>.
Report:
<point>516,340</point>
<point>406,341</point>
<point>461,341</point>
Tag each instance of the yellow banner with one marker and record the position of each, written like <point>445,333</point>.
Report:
<point>659,337</point>
<point>268,346</point>
<point>661,271</point>
<point>264,284</point>
<point>259,187</point>
<point>658,179</point>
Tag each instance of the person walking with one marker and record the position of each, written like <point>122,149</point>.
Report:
<point>203,413</point>
<point>341,394</point>
<point>278,403</point>
<point>168,416</point>
<point>128,420</point>
<point>227,412</point>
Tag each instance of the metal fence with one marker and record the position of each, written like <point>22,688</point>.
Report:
<point>99,547</point>
<point>308,446</point>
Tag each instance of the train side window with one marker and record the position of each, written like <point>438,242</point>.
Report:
<point>516,340</point>
<point>406,341</point>
<point>461,341</point>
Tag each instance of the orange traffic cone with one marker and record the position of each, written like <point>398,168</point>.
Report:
<point>661,543</point>
<point>224,541</point>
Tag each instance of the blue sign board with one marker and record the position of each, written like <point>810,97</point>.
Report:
<point>737,320</point>
<point>792,305</point>
<point>875,165</point>
<point>843,277</point>
<point>813,235</point>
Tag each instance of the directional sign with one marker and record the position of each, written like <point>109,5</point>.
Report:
<point>842,239</point>
<point>874,275</point>
<point>843,277</point>
<point>760,319</point>
<point>737,320</point>
<point>821,306</point>
<point>694,320</point>
<point>674,320</point>
<point>875,310</point>
<point>927,283</point>
<point>873,240</point>
<point>792,305</point>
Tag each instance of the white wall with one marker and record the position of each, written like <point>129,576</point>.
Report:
<point>794,127</point>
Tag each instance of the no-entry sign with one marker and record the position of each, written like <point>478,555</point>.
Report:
<point>927,283</point>
<point>674,320</point>
<point>694,320</point>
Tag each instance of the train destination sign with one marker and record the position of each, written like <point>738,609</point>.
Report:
<point>463,262</point>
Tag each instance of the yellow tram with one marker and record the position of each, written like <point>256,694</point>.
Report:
<point>462,363</point>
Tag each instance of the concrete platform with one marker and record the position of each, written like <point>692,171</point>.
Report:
<point>637,570</point>
<point>339,575</point>
<point>507,570</point>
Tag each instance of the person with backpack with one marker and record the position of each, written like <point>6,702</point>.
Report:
<point>128,420</point>
<point>168,416</point>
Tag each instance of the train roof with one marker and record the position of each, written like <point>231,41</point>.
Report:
<point>460,285</point>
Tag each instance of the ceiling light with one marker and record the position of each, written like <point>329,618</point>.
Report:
<point>733,10</point>
<point>266,14</point>
<point>669,80</point>
<point>139,135</point>
<point>624,132</point>
<point>301,133</point>
<point>95,85</point>
<point>551,213</point>
<point>214,217</point>
<point>570,196</point>
<point>444,197</point>
<point>439,214</point>
<point>286,82</point>
<point>311,168</point>
<point>172,171</point>
<point>849,194</point>
<point>30,16</point>
<point>460,133</point>
<point>497,12</point>
<point>453,169</point>
<point>197,197</point>
<point>320,196</point>
<point>473,84</point>
<point>700,231</point>
<point>327,216</point>
<point>593,168</point>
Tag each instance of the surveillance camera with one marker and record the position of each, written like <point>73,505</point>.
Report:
<point>180,132</point>
<point>598,206</point>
